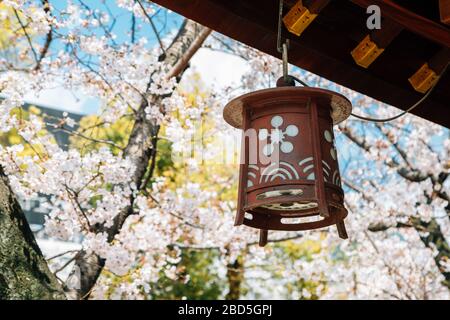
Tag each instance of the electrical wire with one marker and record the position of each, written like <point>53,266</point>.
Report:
<point>415,105</point>
<point>303,83</point>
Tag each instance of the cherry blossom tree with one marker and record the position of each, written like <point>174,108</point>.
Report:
<point>96,192</point>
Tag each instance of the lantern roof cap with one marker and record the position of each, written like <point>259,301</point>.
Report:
<point>341,107</point>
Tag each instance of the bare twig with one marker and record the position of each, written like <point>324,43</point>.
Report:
<point>76,133</point>
<point>64,265</point>
<point>152,25</point>
<point>48,38</point>
<point>24,29</point>
<point>62,254</point>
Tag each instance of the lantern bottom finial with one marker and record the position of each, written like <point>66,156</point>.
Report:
<point>341,230</point>
<point>263,237</point>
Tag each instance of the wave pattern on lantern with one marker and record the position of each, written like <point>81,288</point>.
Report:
<point>326,170</point>
<point>282,170</point>
<point>307,167</point>
<point>252,174</point>
<point>336,178</point>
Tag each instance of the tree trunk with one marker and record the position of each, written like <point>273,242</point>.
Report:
<point>431,235</point>
<point>140,147</point>
<point>24,273</point>
<point>235,277</point>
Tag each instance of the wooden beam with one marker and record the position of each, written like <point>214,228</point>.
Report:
<point>440,60</point>
<point>302,14</point>
<point>427,75</point>
<point>373,45</point>
<point>411,21</point>
<point>384,36</point>
<point>315,6</point>
<point>444,10</point>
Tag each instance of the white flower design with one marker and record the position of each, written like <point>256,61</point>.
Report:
<point>277,136</point>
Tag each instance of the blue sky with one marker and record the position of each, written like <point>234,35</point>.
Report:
<point>165,20</point>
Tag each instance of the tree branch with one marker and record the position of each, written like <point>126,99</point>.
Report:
<point>26,35</point>
<point>48,38</point>
<point>429,232</point>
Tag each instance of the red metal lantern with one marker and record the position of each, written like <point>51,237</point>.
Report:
<point>289,174</point>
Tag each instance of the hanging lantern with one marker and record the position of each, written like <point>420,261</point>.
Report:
<point>289,176</point>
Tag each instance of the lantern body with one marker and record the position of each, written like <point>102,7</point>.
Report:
<point>289,173</point>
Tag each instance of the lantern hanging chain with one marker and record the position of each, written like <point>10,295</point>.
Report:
<point>285,61</point>
<point>283,49</point>
<point>280,15</point>
<point>415,105</point>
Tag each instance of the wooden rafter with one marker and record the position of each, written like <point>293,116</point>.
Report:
<point>444,11</point>
<point>427,75</point>
<point>373,44</point>
<point>410,20</point>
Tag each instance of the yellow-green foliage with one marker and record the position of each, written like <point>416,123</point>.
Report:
<point>291,251</point>
<point>9,26</point>
<point>94,128</point>
<point>11,32</point>
<point>12,137</point>
<point>301,250</point>
<point>213,175</point>
<point>198,279</point>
